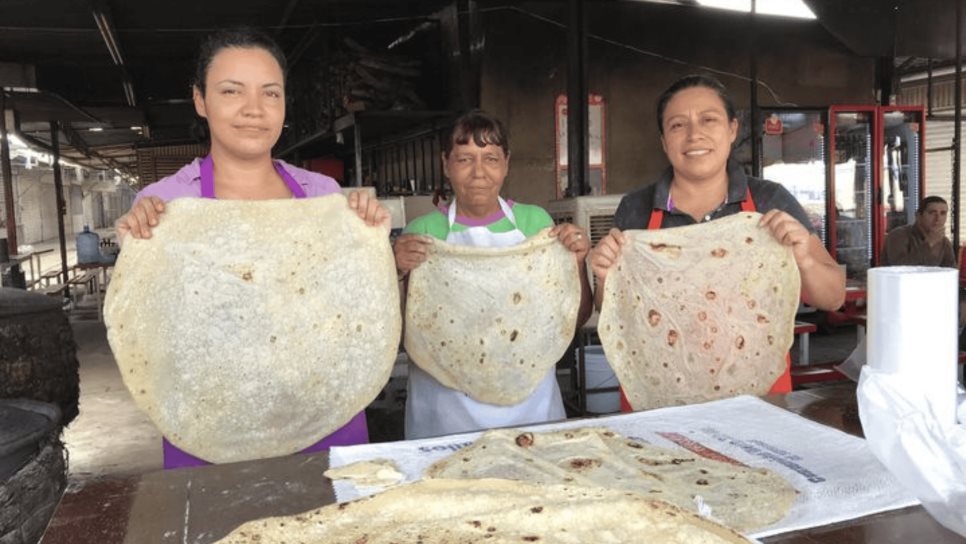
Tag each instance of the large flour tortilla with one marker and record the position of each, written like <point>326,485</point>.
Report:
<point>254,329</point>
<point>492,322</point>
<point>699,313</point>
<point>740,497</point>
<point>490,511</point>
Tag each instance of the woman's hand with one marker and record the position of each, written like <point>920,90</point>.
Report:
<point>410,251</point>
<point>606,253</point>
<point>143,216</point>
<point>789,232</point>
<point>368,208</point>
<point>823,281</point>
<point>573,238</point>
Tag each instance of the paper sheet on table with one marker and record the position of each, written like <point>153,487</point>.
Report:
<point>836,475</point>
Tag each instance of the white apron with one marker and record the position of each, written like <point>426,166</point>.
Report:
<point>432,409</point>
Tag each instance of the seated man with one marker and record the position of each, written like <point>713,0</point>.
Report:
<point>923,243</point>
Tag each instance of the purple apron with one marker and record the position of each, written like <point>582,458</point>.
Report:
<point>354,432</point>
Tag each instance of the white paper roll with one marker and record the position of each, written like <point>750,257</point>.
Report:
<point>913,314</point>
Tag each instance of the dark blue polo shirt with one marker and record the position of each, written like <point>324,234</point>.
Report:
<point>634,210</point>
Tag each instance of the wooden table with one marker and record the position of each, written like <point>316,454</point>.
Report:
<point>201,505</point>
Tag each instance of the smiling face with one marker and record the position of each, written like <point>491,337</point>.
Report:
<point>477,174</point>
<point>698,135</point>
<point>244,102</point>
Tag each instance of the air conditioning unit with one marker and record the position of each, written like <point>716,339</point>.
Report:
<point>397,208</point>
<point>595,214</point>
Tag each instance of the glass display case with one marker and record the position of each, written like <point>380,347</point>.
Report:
<point>851,182</point>
<point>793,153</point>
<point>877,179</point>
<point>857,171</point>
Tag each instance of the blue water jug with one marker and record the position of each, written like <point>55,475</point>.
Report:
<point>88,247</point>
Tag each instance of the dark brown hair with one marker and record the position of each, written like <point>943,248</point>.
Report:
<point>924,203</point>
<point>243,37</point>
<point>686,82</point>
<point>481,127</point>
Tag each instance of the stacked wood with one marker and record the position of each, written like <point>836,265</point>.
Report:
<point>380,80</point>
<point>350,77</point>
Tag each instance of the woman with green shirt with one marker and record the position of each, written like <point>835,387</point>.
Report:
<point>476,159</point>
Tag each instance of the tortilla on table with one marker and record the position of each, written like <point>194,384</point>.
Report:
<point>699,313</point>
<point>252,329</point>
<point>373,472</point>
<point>490,511</point>
<point>741,497</point>
<point>491,322</point>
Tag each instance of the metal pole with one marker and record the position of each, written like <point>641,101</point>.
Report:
<point>7,179</point>
<point>61,203</point>
<point>577,101</point>
<point>957,129</point>
<point>357,144</point>
<point>755,119</point>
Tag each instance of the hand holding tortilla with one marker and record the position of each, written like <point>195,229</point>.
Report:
<point>456,334</point>
<point>410,251</point>
<point>698,125</point>
<point>477,333</point>
<point>146,213</point>
<point>573,238</point>
<point>699,313</point>
<point>243,345</point>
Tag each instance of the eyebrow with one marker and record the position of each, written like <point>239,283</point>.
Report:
<point>235,82</point>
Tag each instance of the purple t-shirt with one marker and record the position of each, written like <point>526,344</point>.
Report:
<point>187,183</point>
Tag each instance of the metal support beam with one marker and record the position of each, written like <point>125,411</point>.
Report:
<point>286,15</point>
<point>755,120</point>
<point>577,110</point>
<point>957,125</point>
<point>357,144</point>
<point>102,18</point>
<point>467,19</point>
<point>61,202</point>
<point>9,206</point>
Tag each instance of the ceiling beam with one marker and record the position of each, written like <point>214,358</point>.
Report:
<point>286,15</point>
<point>102,17</point>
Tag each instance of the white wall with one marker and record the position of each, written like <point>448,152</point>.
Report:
<point>89,202</point>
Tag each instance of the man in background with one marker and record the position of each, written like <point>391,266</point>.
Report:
<point>923,243</point>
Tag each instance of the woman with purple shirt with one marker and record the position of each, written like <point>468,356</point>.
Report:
<point>240,90</point>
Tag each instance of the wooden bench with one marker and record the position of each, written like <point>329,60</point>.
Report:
<point>87,278</point>
<point>50,275</point>
<point>51,290</point>
<point>91,280</point>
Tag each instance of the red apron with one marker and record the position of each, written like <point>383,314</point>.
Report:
<point>784,382</point>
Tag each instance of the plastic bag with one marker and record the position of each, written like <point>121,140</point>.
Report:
<point>851,367</point>
<point>928,458</point>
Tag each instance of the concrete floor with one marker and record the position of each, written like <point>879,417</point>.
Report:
<point>111,437</point>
